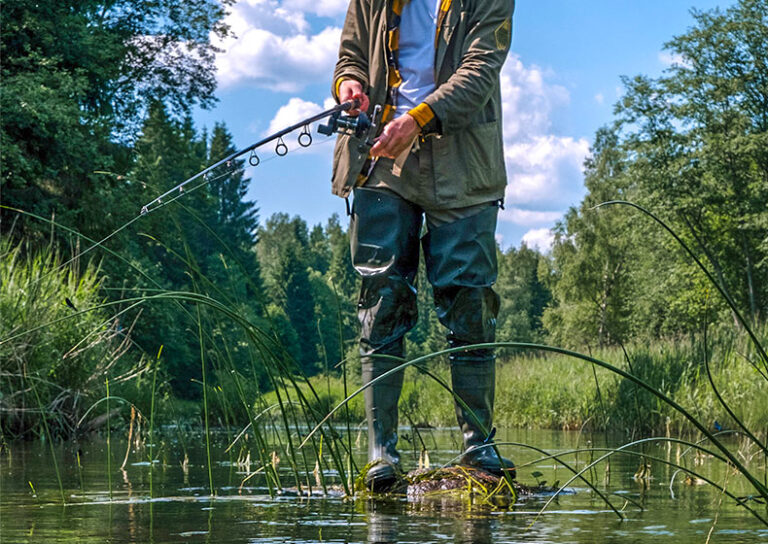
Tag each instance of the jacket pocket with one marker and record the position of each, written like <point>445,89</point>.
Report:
<point>482,151</point>
<point>341,166</point>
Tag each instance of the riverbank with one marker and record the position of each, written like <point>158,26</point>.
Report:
<point>560,392</point>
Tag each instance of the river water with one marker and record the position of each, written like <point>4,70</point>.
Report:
<point>178,506</point>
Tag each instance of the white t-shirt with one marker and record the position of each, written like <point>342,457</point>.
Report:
<point>416,53</point>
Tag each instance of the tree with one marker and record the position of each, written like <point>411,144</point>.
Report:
<point>699,138</point>
<point>344,284</point>
<point>523,295</point>
<point>691,146</point>
<point>78,79</point>
<point>283,251</point>
<point>202,243</point>
<point>237,217</point>
<point>592,256</point>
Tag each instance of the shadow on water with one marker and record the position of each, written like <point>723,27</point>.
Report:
<point>180,508</point>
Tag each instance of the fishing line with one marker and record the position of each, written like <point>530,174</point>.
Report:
<point>242,168</point>
<point>361,126</point>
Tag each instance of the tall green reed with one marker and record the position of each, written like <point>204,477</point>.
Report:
<point>298,401</point>
<point>109,443</point>
<point>49,439</point>
<point>281,369</point>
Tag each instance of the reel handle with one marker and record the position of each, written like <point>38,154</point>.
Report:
<point>361,127</point>
<point>346,124</point>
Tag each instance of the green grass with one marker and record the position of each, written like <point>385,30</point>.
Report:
<point>556,392</point>
<point>689,388</point>
<point>69,360</point>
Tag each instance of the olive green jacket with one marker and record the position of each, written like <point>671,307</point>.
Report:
<point>462,114</point>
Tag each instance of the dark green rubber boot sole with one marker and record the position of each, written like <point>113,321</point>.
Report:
<point>380,478</point>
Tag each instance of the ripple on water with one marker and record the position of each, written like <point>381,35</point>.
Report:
<point>657,530</point>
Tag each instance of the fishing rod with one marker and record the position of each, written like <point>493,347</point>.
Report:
<point>360,126</point>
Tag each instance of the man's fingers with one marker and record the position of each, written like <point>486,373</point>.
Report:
<point>359,98</point>
<point>381,147</point>
<point>385,149</point>
<point>364,102</point>
<point>362,105</point>
<point>353,90</point>
<point>377,148</point>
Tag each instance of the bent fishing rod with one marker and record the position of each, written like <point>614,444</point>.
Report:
<point>360,126</point>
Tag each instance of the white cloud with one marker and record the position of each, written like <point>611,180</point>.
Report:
<point>599,98</point>
<point>544,169</point>
<point>672,59</point>
<point>323,8</point>
<point>528,99</point>
<point>542,239</point>
<point>274,46</point>
<point>270,15</point>
<point>529,218</point>
<point>294,111</point>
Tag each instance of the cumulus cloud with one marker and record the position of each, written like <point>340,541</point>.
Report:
<point>322,8</point>
<point>528,99</point>
<point>274,46</point>
<point>544,169</point>
<point>294,111</point>
<point>529,217</point>
<point>541,239</point>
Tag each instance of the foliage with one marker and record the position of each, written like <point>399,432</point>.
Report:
<point>78,77</point>
<point>693,146</point>
<point>59,344</point>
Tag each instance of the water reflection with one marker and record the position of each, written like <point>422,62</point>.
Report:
<point>383,523</point>
<point>446,519</point>
<point>167,502</point>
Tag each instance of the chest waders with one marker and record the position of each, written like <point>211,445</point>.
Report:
<point>461,266</point>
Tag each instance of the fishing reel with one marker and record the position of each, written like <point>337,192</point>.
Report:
<point>360,126</point>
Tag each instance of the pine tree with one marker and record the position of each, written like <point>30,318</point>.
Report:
<point>283,251</point>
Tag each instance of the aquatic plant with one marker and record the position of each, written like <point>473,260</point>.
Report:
<point>291,430</point>
<point>758,360</point>
<point>64,362</point>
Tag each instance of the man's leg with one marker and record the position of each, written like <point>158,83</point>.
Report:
<point>384,236</point>
<point>460,254</point>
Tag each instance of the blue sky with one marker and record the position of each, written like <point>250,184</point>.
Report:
<point>559,85</point>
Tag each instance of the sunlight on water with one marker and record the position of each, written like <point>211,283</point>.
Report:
<point>179,508</point>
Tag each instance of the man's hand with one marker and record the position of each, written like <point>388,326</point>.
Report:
<point>396,137</point>
<point>349,89</point>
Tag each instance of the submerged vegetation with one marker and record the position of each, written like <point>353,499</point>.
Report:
<point>201,315</point>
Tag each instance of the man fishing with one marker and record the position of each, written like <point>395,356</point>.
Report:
<point>434,66</point>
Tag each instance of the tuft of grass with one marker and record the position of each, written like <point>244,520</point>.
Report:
<point>637,389</point>
<point>68,361</point>
<point>552,391</point>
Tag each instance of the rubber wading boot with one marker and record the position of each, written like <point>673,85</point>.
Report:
<point>381,412</point>
<point>473,375</point>
<point>384,241</point>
